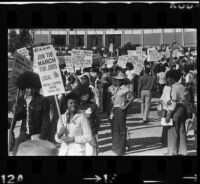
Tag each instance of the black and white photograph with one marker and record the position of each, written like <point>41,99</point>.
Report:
<point>102,92</point>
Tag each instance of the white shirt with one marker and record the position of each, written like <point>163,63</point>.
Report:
<point>130,74</point>
<point>161,78</point>
<point>188,78</point>
<point>28,100</point>
<point>166,97</point>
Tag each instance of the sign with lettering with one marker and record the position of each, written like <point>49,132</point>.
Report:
<point>24,52</point>
<point>20,65</point>
<point>81,58</point>
<point>88,58</point>
<point>77,58</point>
<point>176,53</point>
<point>152,55</point>
<point>69,64</point>
<point>48,70</point>
<point>164,54</point>
<point>109,62</point>
<point>138,67</point>
<point>16,66</point>
<point>131,52</point>
<point>122,60</point>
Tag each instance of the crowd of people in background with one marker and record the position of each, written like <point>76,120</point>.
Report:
<point>100,90</point>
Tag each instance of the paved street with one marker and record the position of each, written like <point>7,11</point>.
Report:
<point>144,137</point>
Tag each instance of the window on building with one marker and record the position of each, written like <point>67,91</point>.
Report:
<point>115,39</point>
<point>58,40</point>
<point>76,40</point>
<point>94,40</point>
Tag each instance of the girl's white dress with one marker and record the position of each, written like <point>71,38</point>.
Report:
<point>79,128</point>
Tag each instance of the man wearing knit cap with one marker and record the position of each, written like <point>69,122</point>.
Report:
<point>32,108</point>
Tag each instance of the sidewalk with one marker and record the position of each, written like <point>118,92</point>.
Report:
<point>144,137</point>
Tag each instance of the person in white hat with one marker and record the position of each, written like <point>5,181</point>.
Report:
<point>120,105</point>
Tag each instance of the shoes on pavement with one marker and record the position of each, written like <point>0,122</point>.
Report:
<point>128,148</point>
<point>166,153</point>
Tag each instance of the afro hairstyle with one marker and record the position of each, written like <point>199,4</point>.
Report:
<point>129,65</point>
<point>173,74</point>
<point>83,89</point>
<point>28,80</point>
<point>126,81</point>
<point>64,100</point>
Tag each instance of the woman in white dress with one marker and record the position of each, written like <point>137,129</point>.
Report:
<point>74,131</point>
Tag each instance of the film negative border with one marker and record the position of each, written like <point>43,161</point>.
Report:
<point>110,15</point>
<point>168,169</point>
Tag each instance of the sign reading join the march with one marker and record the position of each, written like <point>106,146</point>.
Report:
<point>69,64</point>
<point>48,70</point>
<point>122,61</point>
<point>23,51</point>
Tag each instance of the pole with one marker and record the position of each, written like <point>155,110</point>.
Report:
<point>9,134</point>
<point>58,109</point>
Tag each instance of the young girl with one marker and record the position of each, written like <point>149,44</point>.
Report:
<point>74,130</point>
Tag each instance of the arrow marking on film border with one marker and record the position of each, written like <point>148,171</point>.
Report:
<point>97,178</point>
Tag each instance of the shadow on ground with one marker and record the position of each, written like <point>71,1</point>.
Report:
<point>146,144</point>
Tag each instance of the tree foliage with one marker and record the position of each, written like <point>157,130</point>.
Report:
<point>17,41</point>
<point>13,41</point>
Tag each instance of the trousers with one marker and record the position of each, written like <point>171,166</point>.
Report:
<point>145,104</point>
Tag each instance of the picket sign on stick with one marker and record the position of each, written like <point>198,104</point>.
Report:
<point>49,72</point>
<point>58,109</point>
<point>9,134</point>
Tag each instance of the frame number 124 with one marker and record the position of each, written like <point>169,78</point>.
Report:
<point>11,178</point>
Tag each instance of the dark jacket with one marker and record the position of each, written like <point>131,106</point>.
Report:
<point>146,82</point>
<point>95,118</point>
<point>39,119</point>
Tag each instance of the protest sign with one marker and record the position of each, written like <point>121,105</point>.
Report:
<point>131,52</point>
<point>69,64</point>
<point>20,65</point>
<point>24,52</point>
<point>152,55</point>
<point>176,53</point>
<point>164,54</point>
<point>77,58</point>
<point>16,66</point>
<point>87,58</point>
<point>194,53</point>
<point>122,61</point>
<point>48,70</point>
<point>138,67</point>
<point>109,62</point>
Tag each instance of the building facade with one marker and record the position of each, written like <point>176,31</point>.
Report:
<point>103,37</point>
